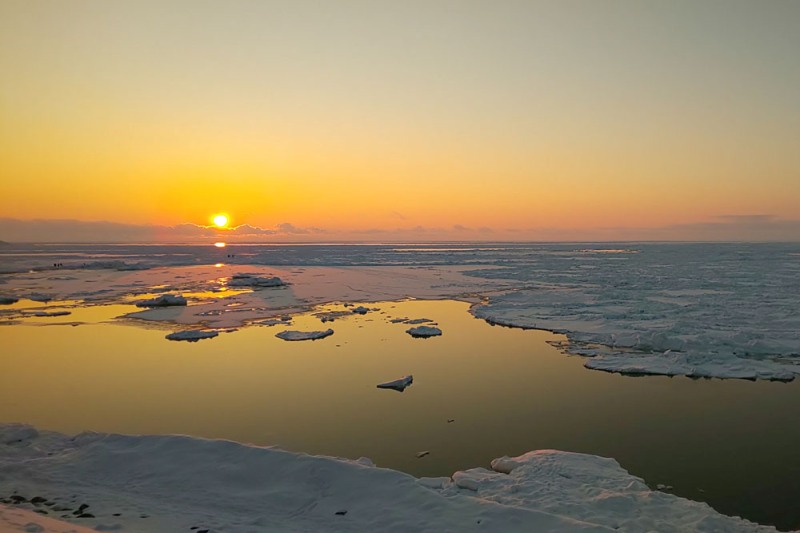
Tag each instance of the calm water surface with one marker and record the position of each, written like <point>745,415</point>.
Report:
<point>733,444</point>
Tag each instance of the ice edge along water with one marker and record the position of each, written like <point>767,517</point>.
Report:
<point>174,483</point>
<point>700,310</point>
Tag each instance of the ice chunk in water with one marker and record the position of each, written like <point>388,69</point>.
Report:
<point>398,384</point>
<point>165,300</point>
<point>192,335</point>
<point>304,335</point>
<point>424,331</point>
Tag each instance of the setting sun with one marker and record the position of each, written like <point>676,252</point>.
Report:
<point>220,221</point>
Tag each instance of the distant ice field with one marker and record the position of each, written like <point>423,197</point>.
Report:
<point>729,310</point>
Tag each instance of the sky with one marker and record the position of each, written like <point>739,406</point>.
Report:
<point>378,120</point>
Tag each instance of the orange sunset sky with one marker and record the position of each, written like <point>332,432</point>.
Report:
<point>366,120</point>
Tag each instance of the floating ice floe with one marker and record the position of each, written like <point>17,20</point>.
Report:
<point>192,335</point>
<point>424,331</point>
<point>50,313</point>
<point>398,384</point>
<point>40,297</point>
<point>183,482</point>
<point>330,316</point>
<point>165,300</point>
<point>7,300</point>
<point>406,320</point>
<point>249,280</point>
<point>304,335</point>
<point>282,321</point>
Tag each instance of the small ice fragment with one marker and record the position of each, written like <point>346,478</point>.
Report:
<point>398,384</point>
<point>304,335</point>
<point>8,300</point>
<point>360,310</point>
<point>420,455</point>
<point>424,331</point>
<point>270,322</point>
<point>418,321</point>
<point>192,335</point>
<point>661,486</point>
<point>165,300</point>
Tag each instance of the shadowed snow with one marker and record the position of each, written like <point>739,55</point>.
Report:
<point>173,483</point>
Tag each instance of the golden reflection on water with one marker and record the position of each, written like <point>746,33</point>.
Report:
<point>221,292</point>
<point>506,390</point>
<point>25,311</point>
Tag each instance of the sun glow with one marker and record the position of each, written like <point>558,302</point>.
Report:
<point>220,220</point>
<point>220,244</point>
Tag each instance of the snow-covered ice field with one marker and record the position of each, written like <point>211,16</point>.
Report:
<point>701,310</point>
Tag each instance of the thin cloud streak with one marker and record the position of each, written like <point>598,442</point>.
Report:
<point>743,227</point>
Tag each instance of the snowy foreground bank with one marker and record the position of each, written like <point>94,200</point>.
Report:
<point>174,483</point>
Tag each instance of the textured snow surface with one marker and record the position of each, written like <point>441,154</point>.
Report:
<point>304,335</point>
<point>174,483</point>
<point>711,310</point>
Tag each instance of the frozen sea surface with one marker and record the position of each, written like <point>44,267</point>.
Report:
<point>705,310</point>
<point>702,310</point>
<point>479,392</point>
